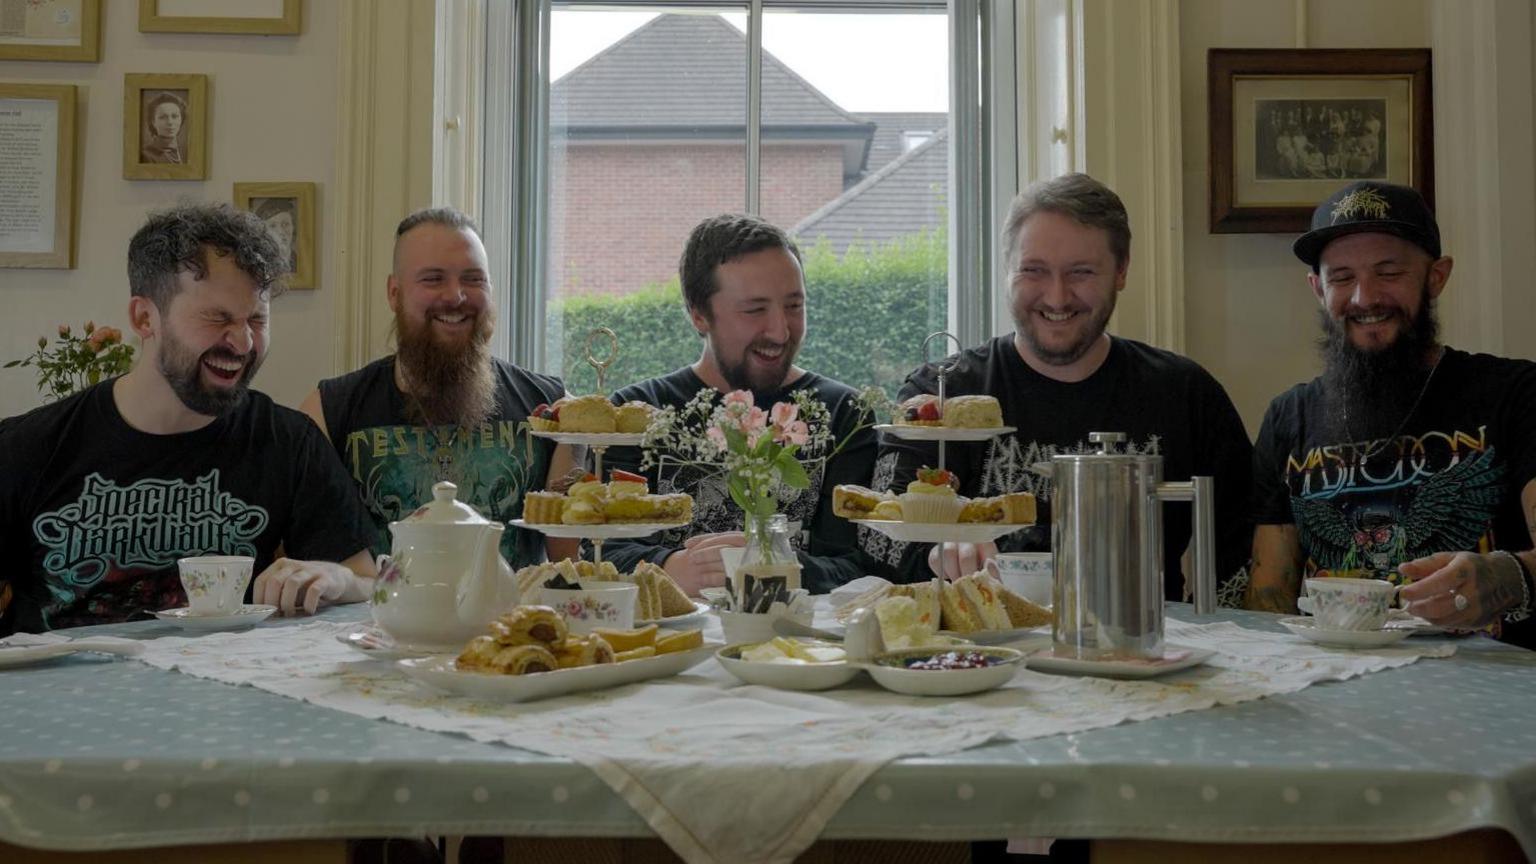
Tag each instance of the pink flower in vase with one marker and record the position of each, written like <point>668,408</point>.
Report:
<point>796,433</point>
<point>783,414</point>
<point>716,437</point>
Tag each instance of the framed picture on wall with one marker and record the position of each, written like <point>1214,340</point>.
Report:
<point>1289,127</point>
<point>269,17</point>
<point>50,30</point>
<point>37,175</point>
<point>165,127</point>
<point>289,210</point>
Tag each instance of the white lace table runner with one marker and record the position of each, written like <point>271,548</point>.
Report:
<point>725,772</point>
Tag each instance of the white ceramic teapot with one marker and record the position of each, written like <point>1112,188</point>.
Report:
<point>444,579</point>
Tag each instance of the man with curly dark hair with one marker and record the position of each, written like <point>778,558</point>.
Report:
<point>102,492</point>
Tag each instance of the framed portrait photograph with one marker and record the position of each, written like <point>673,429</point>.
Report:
<point>50,30</point>
<point>165,127</point>
<point>37,175</point>
<point>268,17</point>
<point>289,211</point>
<point>1289,127</point>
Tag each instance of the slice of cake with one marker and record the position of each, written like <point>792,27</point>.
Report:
<point>1020,507</point>
<point>543,508</point>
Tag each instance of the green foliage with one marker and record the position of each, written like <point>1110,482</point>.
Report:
<point>77,362</point>
<point>868,314</point>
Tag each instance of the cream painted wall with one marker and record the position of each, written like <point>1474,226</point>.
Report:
<point>1249,316</point>
<point>273,117</point>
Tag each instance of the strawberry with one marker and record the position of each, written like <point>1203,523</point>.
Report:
<point>928,410</point>
<point>936,476</point>
<point>588,477</point>
<point>544,412</point>
<point>617,476</point>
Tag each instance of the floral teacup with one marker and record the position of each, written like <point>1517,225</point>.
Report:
<point>595,604</point>
<point>1348,604</point>
<point>215,584</point>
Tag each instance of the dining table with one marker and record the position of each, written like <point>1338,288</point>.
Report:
<point>1429,756</point>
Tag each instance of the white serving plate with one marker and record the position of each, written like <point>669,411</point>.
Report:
<point>940,532</point>
<point>676,621</point>
<point>594,439</point>
<point>246,616</point>
<point>605,531</point>
<point>944,682</point>
<point>1307,629</point>
<point>441,674</point>
<point>785,676</point>
<point>16,656</point>
<point>1175,657</point>
<point>1004,637</point>
<point>942,433</point>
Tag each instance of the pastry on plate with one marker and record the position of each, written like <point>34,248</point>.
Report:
<point>931,497</point>
<point>543,508</point>
<point>529,625</point>
<point>920,410</point>
<point>973,412</point>
<point>854,502</point>
<point>633,417</point>
<point>587,414</point>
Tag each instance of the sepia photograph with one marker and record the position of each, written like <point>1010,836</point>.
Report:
<point>288,209</point>
<point>165,127</point>
<point>1289,126</point>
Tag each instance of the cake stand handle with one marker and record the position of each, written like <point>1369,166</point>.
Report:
<point>597,549</point>
<point>597,460</point>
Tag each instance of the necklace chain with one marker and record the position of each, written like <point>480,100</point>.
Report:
<point>1372,448</point>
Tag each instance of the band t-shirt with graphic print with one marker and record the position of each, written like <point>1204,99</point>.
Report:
<point>94,513</point>
<point>1449,481</point>
<point>394,462</point>
<point>825,543</point>
<point>1165,404</point>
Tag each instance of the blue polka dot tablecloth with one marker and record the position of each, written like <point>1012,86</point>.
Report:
<point>98,753</point>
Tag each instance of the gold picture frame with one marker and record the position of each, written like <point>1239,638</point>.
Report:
<point>290,23</point>
<point>42,135</point>
<point>1289,127</point>
<point>154,105</point>
<point>67,30</point>
<point>290,209</point>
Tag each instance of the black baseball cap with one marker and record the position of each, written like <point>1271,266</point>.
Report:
<point>1370,206</point>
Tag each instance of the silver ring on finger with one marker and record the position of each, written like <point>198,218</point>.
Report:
<point>1460,601</point>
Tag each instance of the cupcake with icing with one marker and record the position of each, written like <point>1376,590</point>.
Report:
<point>931,497</point>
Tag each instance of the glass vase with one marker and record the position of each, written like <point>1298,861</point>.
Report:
<point>769,568</point>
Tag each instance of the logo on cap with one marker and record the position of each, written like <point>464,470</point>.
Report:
<point>1363,202</point>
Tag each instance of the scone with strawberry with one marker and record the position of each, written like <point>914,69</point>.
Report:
<point>931,497</point>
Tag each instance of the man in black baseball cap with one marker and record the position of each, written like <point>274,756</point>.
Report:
<point>1436,445</point>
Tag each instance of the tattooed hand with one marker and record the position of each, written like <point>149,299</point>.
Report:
<point>1491,584</point>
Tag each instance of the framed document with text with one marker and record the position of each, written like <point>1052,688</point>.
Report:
<point>50,30</point>
<point>37,175</point>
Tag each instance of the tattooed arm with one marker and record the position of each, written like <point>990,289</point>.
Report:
<point>1274,576</point>
<point>1491,584</point>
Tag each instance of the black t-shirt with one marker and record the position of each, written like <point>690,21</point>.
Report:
<point>828,553</point>
<point>394,462</point>
<point>1164,403</point>
<point>1449,481</point>
<point>94,513</point>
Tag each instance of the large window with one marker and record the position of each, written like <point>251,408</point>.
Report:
<point>652,125</point>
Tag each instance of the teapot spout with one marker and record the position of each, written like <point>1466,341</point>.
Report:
<point>484,590</point>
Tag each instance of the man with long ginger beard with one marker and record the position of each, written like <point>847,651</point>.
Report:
<point>1406,460</point>
<point>745,295</point>
<point>103,491</point>
<point>441,407</point>
<point>1060,376</point>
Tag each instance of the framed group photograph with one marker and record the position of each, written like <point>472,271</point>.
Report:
<point>1289,127</point>
<point>165,127</point>
<point>289,211</point>
<point>266,17</point>
<point>37,175</point>
<point>50,30</point>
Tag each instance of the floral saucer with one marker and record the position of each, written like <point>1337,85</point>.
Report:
<point>1306,628</point>
<point>246,616</point>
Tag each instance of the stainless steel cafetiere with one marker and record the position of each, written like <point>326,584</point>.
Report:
<point>1107,536</point>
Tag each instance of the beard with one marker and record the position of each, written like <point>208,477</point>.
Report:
<point>449,383</point>
<point>1373,390</point>
<point>1024,322</point>
<point>182,369</point>
<point>744,375</point>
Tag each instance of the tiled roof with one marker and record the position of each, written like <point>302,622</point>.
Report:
<point>687,71</point>
<point>889,126</point>
<point>900,199</point>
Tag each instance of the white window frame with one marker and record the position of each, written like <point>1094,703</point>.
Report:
<point>514,194</point>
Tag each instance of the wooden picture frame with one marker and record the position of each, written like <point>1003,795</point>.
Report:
<point>290,209</point>
<point>38,229</point>
<point>150,102</point>
<point>152,19</point>
<point>1290,127</point>
<point>68,30</point>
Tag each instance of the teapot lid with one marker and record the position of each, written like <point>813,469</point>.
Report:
<point>445,508</point>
